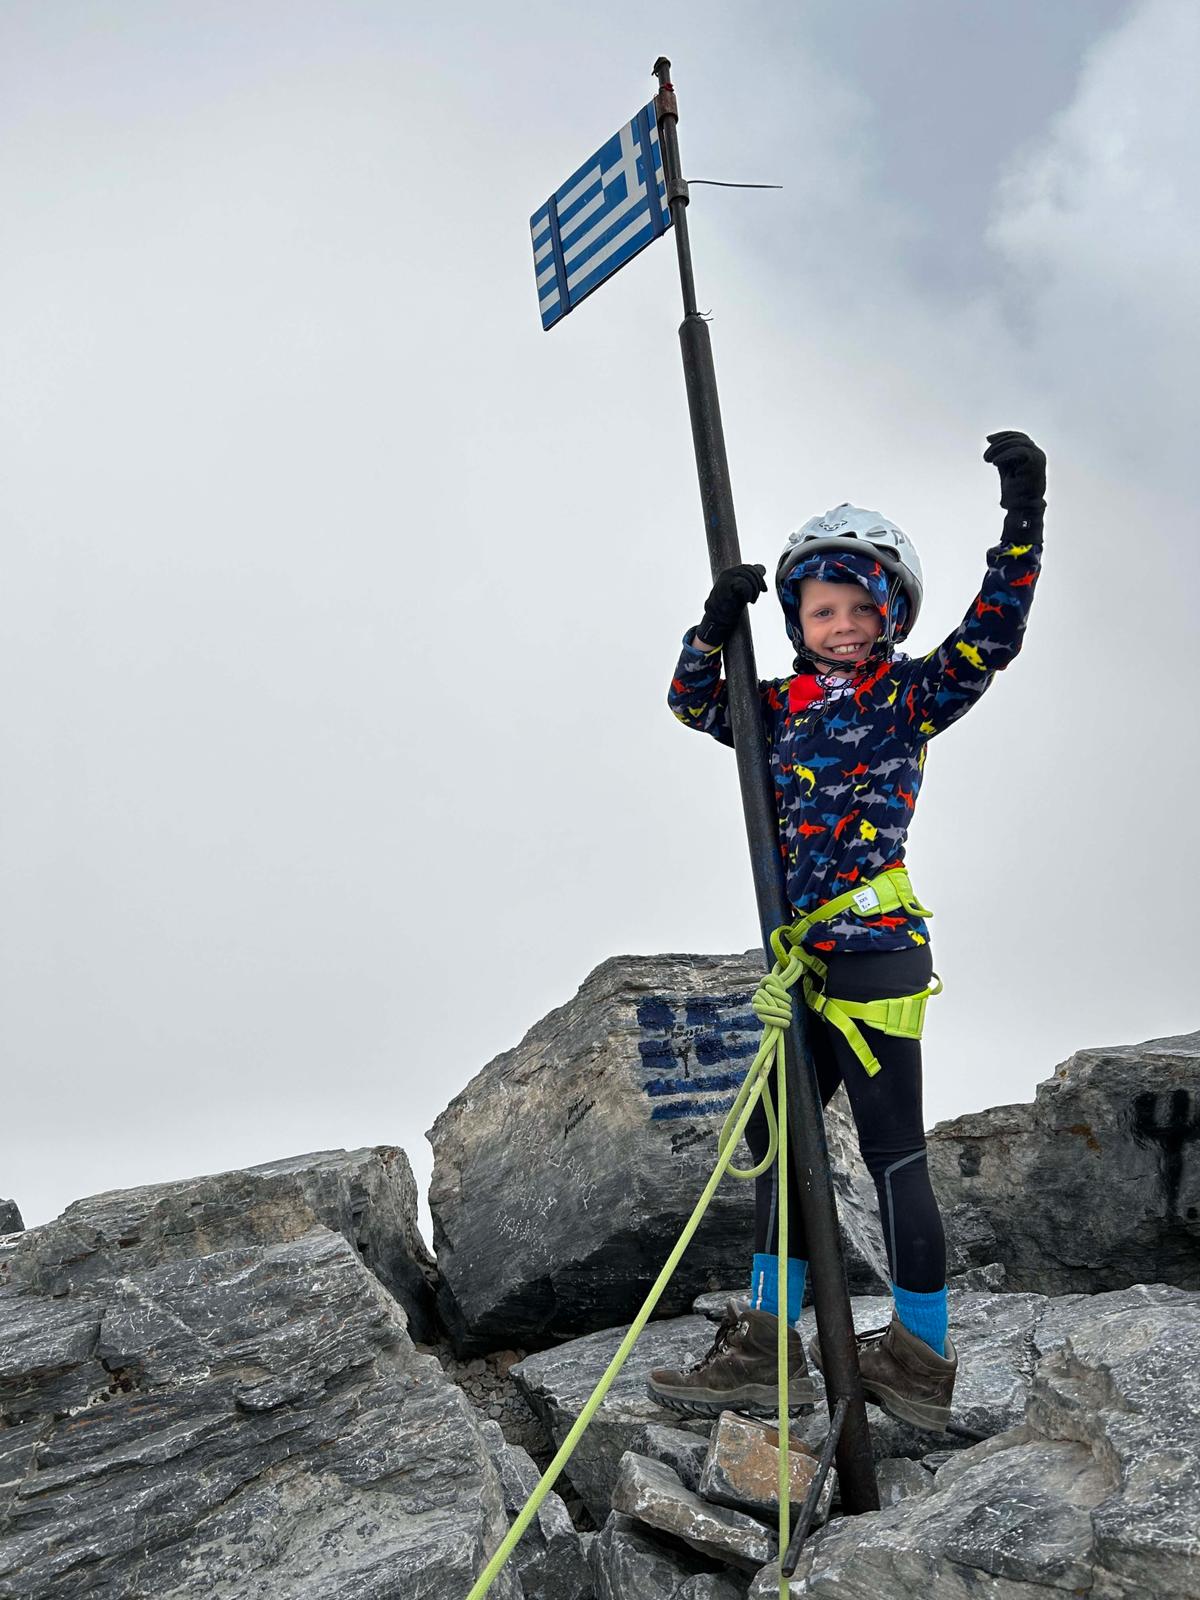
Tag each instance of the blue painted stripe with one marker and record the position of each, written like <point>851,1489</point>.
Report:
<point>711,1049</point>
<point>569,213</point>
<point>632,245</point>
<point>615,195</point>
<point>606,156</point>
<point>691,1108</point>
<point>657,1087</point>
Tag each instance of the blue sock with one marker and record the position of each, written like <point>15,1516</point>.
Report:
<point>924,1315</point>
<point>764,1286</point>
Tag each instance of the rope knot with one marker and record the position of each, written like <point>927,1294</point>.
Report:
<point>772,1002</point>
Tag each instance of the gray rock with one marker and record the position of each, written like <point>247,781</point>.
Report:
<point>549,1560</point>
<point>713,1302</point>
<point>558,1383</point>
<point>993,1334</point>
<point>741,1467</point>
<point>898,1478</point>
<point>676,1448</point>
<point>653,1494</point>
<point>1094,1186</point>
<point>187,1414</point>
<point>629,1563</point>
<point>979,1280</point>
<point>1097,1491</point>
<point>10,1217</point>
<point>368,1196</point>
<point>565,1171</point>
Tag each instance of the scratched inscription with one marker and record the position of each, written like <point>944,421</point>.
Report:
<point>694,1054</point>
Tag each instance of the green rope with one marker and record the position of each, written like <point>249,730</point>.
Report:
<point>772,1004</point>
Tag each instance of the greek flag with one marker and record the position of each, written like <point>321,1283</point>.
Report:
<point>601,217</point>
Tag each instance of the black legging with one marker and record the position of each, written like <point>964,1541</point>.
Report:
<point>887,1114</point>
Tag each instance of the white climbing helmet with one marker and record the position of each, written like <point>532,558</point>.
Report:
<point>848,527</point>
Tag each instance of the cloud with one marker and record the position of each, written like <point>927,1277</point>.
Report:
<point>1103,248</point>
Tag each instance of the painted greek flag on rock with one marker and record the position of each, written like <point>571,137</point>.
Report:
<point>601,217</point>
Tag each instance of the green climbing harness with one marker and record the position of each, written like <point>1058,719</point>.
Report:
<point>903,1015</point>
<point>772,1004</point>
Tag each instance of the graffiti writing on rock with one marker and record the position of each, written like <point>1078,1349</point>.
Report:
<point>1169,1121</point>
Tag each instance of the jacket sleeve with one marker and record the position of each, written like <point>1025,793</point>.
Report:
<point>699,698</point>
<point>951,679</point>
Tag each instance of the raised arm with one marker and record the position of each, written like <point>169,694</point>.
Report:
<point>951,679</point>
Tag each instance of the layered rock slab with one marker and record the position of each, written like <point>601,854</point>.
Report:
<point>565,1171</point>
<point>1000,1338</point>
<point>185,1415</point>
<point>629,1563</point>
<point>549,1559</point>
<point>1095,1185</point>
<point>1096,1491</point>
<point>653,1494</point>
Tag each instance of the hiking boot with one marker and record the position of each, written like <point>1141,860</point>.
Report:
<point>903,1375</point>
<point>739,1373</point>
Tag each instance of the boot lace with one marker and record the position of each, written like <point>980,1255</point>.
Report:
<point>732,1324</point>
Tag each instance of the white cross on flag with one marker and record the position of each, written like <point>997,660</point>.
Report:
<point>600,218</point>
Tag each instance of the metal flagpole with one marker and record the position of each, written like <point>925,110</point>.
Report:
<point>806,1126</point>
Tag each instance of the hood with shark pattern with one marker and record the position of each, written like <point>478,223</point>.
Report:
<point>846,566</point>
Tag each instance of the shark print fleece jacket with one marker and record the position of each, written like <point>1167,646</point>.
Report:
<point>847,756</point>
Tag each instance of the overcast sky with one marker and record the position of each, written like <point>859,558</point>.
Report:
<point>339,600</point>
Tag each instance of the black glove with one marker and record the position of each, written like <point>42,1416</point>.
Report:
<point>734,590</point>
<point>1022,469</point>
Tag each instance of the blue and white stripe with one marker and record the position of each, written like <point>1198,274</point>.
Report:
<point>601,217</point>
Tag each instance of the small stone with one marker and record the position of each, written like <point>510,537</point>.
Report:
<point>741,1468</point>
<point>654,1495</point>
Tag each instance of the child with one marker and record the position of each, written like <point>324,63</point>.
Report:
<point>847,738</point>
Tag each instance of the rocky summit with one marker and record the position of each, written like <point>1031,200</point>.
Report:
<point>260,1384</point>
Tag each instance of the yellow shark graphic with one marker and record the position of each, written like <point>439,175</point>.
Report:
<point>867,831</point>
<point>970,652</point>
<point>806,774</point>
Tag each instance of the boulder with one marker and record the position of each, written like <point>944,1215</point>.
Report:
<point>558,1383</point>
<point>368,1196</point>
<point>1096,1491</point>
<point>629,1563</point>
<point>10,1217</point>
<point>565,1171</point>
<point>999,1339</point>
<point>549,1560</point>
<point>1093,1186</point>
<point>204,1392</point>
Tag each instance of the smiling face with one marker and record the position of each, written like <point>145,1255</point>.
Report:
<point>840,620</point>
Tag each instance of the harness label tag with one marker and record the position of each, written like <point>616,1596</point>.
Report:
<point>866,900</point>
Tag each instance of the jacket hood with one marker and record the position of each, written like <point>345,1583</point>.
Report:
<point>843,566</point>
